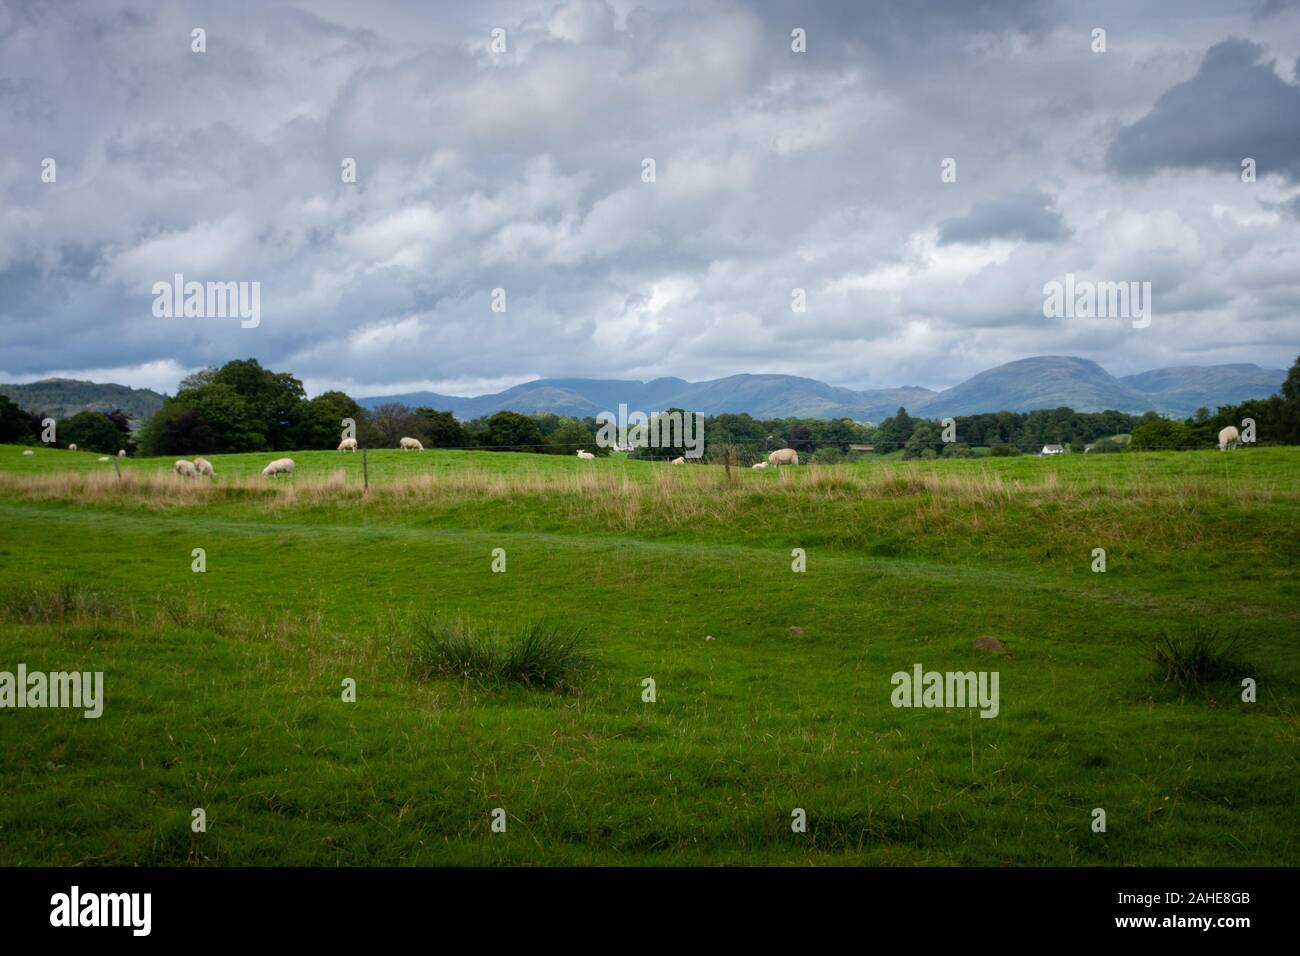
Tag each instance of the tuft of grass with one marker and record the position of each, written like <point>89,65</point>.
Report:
<point>536,655</point>
<point>58,603</point>
<point>1194,658</point>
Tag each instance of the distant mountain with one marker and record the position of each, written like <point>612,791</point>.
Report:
<point>64,397</point>
<point>1188,387</point>
<point>1049,381</point>
<point>763,396</point>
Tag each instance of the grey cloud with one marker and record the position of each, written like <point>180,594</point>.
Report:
<point>1028,216</point>
<point>775,171</point>
<point>1236,106</point>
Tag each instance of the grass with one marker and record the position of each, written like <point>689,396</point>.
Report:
<point>1197,657</point>
<point>224,689</point>
<point>537,656</point>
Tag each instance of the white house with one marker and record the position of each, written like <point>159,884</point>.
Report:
<point>1053,450</point>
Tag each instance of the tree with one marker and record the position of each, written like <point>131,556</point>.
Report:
<point>511,431</point>
<point>197,379</point>
<point>274,398</point>
<point>441,429</point>
<point>176,429</point>
<point>925,437</point>
<point>388,424</point>
<point>212,419</point>
<point>571,436</point>
<point>15,424</point>
<point>320,420</point>
<point>893,433</point>
<point>1159,434</point>
<point>93,431</point>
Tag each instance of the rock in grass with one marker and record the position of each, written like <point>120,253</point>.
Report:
<point>794,631</point>
<point>990,644</point>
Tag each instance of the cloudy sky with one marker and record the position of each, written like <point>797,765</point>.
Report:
<point>523,170</point>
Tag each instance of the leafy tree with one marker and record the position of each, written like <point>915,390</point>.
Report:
<point>893,433</point>
<point>1003,451</point>
<point>386,425</point>
<point>92,431</point>
<point>925,437</point>
<point>957,449</point>
<point>320,420</point>
<point>274,397</point>
<point>15,424</point>
<point>511,431</point>
<point>441,429</point>
<point>1159,434</point>
<point>572,435</point>
<point>177,430</point>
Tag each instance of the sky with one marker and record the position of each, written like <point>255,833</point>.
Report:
<point>522,169</point>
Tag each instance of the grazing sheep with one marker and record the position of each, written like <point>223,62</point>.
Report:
<point>105,458</point>
<point>203,467</point>
<point>72,447</point>
<point>784,456</point>
<point>679,461</point>
<point>411,444</point>
<point>761,464</point>
<point>121,453</point>
<point>1228,438</point>
<point>186,469</point>
<point>29,452</point>
<point>585,454</point>
<point>281,466</point>
<point>348,444</point>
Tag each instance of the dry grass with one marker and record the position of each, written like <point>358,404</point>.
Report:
<point>676,491</point>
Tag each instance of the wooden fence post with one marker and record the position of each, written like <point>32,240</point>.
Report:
<point>365,472</point>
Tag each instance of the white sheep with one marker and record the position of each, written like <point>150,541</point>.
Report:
<point>761,464</point>
<point>121,453</point>
<point>411,444</point>
<point>679,461</point>
<point>784,456</point>
<point>72,446</point>
<point>348,444</point>
<point>186,469</point>
<point>29,452</point>
<point>281,466</point>
<point>203,467</point>
<point>1228,438</point>
<point>585,454</point>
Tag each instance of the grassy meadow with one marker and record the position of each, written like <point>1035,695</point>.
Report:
<point>224,688</point>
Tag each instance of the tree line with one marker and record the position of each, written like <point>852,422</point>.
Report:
<point>243,407</point>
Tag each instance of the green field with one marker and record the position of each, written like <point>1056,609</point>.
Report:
<point>223,688</point>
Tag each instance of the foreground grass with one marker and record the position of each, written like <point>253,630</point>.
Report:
<point>224,688</point>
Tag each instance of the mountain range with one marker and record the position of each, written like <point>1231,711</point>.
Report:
<point>1048,381</point>
<point>1043,382</point>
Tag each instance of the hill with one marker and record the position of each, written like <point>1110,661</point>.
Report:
<point>64,397</point>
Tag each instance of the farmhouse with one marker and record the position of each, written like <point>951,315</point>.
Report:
<point>1053,450</point>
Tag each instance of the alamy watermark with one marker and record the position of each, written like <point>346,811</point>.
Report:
<point>208,300</point>
<point>953,689</point>
<point>629,430</point>
<point>1084,299</point>
<point>76,689</point>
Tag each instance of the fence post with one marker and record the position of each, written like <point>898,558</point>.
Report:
<point>117,468</point>
<point>365,472</point>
